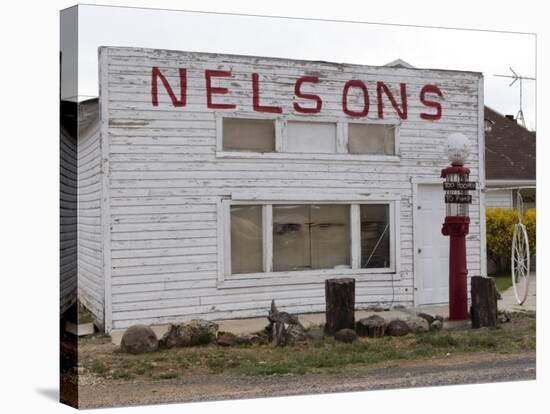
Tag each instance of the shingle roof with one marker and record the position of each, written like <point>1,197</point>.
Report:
<point>510,149</point>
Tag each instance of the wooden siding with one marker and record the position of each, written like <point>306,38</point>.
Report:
<point>90,272</point>
<point>68,219</point>
<point>166,180</point>
<point>498,199</point>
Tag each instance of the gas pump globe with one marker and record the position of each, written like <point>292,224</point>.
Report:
<point>457,222</point>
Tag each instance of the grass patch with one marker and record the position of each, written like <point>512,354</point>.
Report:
<point>503,282</point>
<point>121,374</point>
<point>98,367</point>
<point>167,375</point>
<point>320,355</point>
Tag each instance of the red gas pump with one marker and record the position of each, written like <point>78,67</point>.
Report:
<point>457,222</point>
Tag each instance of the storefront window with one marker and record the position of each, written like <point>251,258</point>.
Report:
<point>375,236</point>
<point>246,239</point>
<point>310,237</point>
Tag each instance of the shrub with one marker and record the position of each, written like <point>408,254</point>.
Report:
<point>530,221</point>
<point>500,230</point>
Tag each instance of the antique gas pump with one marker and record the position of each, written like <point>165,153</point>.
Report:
<point>457,221</point>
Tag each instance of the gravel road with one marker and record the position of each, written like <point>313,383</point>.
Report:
<point>460,369</point>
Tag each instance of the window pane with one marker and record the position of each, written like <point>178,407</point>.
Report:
<point>330,236</point>
<point>375,236</point>
<point>310,137</point>
<point>291,247</point>
<point>248,135</point>
<point>246,239</point>
<point>371,139</point>
<point>310,237</point>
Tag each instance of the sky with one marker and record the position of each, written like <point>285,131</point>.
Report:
<point>488,52</point>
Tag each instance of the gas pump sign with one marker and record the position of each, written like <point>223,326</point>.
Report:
<point>459,185</point>
<point>458,198</point>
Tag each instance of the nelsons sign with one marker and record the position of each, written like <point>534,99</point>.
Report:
<point>217,85</point>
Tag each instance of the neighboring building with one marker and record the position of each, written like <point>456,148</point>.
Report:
<point>510,154</point>
<point>227,181</point>
<point>80,242</point>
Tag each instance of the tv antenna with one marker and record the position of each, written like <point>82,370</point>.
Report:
<point>516,77</point>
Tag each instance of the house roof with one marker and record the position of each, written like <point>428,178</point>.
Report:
<point>510,149</point>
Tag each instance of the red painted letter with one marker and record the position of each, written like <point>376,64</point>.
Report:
<point>256,98</point>
<point>432,104</point>
<point>208,74</point>
<point>381,87</point>
<point>299,94</point>
<point>355,84</point>
<point>155,74</point>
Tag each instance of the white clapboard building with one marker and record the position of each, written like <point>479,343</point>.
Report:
<point>221,182</point>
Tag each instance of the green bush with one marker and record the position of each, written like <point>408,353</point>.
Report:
<point>500,230</point>
<point>530,221</point>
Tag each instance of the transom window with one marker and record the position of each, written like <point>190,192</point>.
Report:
<point>299,237</point>
<point>310,137</point>
<point>371,139</point>
<point>256,135</point>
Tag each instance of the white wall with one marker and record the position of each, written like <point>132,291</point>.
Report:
<point>166,181</point>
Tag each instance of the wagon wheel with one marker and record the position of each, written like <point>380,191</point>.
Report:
<point>520,263</point>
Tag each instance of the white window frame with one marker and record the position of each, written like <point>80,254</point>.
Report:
<point>341,140</point>
<point>220,152</point>
<point>341,154</point>
<point>226,279</point>
<point>396,127</point>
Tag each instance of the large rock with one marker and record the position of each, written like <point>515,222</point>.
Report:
<point>197,332</point>
<point>227,339</point>
<point>436,325</point>
<point>345,335</point>
<point>139,339</point>
<point>373,326</point>
<point>170,338</point>
<point>418,324</point>
<point>397,327</point>
<point>429,318</point>
<point>258,339</point>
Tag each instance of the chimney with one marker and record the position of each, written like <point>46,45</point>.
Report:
<point>510,117</point>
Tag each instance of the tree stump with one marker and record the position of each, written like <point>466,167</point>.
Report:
<point>373,326</point>
<point>340,304</point>
<point>483,311</point>
<point>285,328</point>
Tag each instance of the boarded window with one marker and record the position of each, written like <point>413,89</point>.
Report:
<point>246,239</point>
<point>310,237</point>
<point>248,135</point>
<point>310,137</point>
<point>371,139</point>
<point>375,236</point>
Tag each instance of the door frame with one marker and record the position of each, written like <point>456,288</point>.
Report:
<point>415,182</point>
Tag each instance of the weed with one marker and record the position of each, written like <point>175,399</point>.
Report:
<point>121,374</point>
<point>98,367</point>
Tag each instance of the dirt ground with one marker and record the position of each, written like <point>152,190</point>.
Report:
<point>459,369</point>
